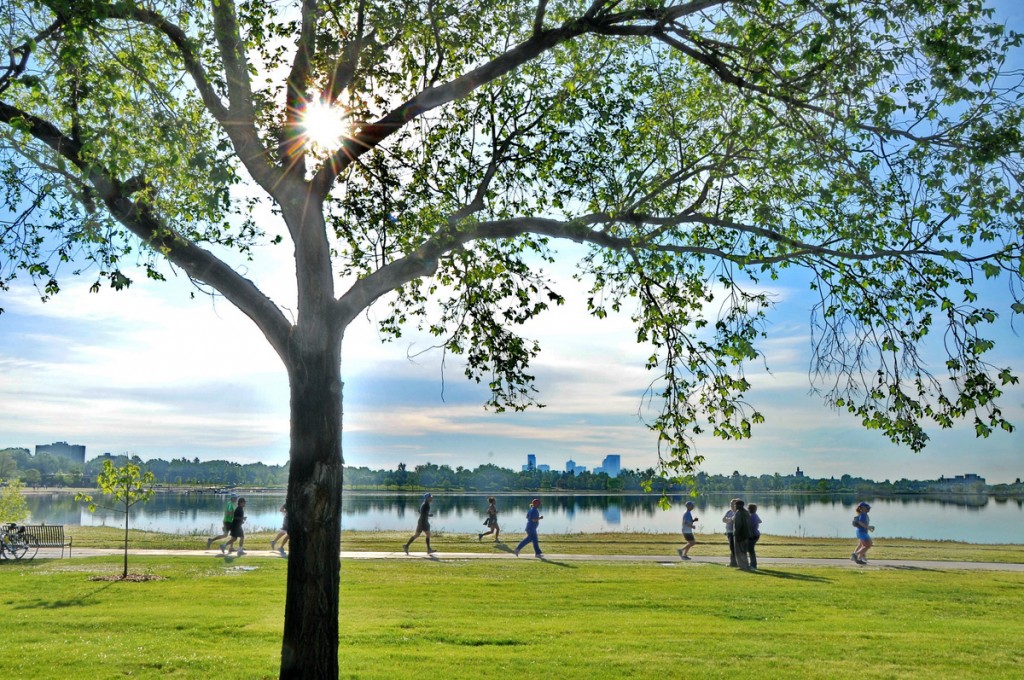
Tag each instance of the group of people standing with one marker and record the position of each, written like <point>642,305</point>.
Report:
<point>533,518</point>
<point>742,528</point>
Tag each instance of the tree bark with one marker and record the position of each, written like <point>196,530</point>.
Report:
<point>310,641</point>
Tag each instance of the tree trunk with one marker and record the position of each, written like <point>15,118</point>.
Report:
<point>124,574</point>
<point>310,644</point>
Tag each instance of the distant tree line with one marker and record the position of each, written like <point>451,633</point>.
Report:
<point>46,470</point>
<point>53,471</point>
<point>493,478</point>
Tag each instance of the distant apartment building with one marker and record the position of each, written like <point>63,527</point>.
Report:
<point>959,481</point>
<point>72,452</point>
<point>611,465</point>
<point>544,468</point>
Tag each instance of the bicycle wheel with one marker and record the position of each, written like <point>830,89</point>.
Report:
<point>16,548</point>
<point>33,546</point>
<point>24,546</point>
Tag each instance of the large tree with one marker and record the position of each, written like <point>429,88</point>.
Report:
<point>699,148</point>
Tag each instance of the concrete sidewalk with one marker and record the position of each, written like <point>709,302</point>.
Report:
<point>667,560</point>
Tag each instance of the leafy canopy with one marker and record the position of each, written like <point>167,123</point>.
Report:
<point>700,149</point>
<point>13,506</point>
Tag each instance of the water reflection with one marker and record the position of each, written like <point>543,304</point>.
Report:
<point>974,518</point>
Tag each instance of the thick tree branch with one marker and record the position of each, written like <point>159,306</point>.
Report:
<point>198,263</point>
<point>431,98</point>
<point>238,122</point>
<point>345,67</point>
<point>18,57</point>
<point>297,95</point>
<point>538,17</point>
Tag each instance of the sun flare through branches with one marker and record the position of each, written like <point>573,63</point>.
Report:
<point>323,125</point>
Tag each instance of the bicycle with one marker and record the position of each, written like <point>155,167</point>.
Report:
<point>16,543</point>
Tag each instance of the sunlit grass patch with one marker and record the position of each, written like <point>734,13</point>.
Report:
<point>490,619</point>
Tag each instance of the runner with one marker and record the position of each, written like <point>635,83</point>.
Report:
<point>423,525</point>
<point>533,518</point>
<point>229,517</point>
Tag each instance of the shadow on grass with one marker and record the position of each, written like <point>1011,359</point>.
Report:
<point>791,576</point>
<point>80,601</point>
<point>564,565</point>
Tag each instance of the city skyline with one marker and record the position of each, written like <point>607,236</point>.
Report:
<point>611,460</point>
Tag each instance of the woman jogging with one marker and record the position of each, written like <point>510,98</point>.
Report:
<point>491,522</point>
<point>423,524</point>
<point>533,518</point>
<point>863,525</point>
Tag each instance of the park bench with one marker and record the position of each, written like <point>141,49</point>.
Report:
<point>50,536</point>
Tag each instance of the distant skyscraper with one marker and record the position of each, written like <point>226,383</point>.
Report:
<point>570,466</point>
<point>612,465</point>
<point>531,462</point>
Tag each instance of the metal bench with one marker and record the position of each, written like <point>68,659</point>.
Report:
<point>50,536</point>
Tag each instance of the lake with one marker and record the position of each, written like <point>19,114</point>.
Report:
<point>974,519</point>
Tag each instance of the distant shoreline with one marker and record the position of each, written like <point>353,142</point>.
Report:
<point>274,491</point>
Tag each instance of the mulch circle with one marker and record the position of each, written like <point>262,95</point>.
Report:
<point>133,578</point>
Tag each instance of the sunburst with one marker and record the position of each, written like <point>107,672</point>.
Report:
<point>324,125</point>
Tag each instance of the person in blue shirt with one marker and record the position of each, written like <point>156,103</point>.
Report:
<point>533,518</point>
<point>755,535</point>
<point>863,525</point>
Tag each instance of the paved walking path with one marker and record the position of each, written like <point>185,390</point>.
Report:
<point>668,560</point>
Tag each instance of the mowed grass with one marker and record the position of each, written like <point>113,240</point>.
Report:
<point>212,617</point>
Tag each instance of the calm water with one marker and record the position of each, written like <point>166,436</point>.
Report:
<point>975,519</point>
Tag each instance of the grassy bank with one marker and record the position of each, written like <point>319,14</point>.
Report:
<point>588,544</point>
<point>210,617</point>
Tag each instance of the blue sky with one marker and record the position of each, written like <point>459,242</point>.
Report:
<point>152,372</point>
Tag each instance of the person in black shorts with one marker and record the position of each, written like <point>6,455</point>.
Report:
<point>491,522</point>
<point>229,517</point>
<point>688,523</point>
<point>423,525</point>
<point>282,535</point>
<point>237,531</point>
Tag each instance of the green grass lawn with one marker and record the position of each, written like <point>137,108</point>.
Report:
<point>211,617</point>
